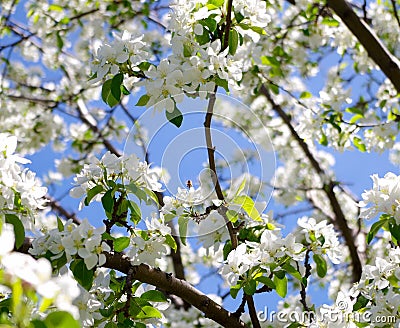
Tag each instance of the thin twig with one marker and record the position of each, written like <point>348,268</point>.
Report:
<point>329,186</point>
<point>396,14</point>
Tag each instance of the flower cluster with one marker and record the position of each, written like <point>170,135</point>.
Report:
<point>384,197</point>
<point>149,246</point>
<point>127,169</point>
<point>36,275</point>
<point>322,238</point>
<point>271,248</point>
<point>83,240</point>
<point>20,191</point>
<point>123,54</point>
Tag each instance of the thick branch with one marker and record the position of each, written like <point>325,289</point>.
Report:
<point>340,219</point>
<point>167,283</point>
<point>376,50</point>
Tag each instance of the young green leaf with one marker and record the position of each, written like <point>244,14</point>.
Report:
<point>60,225</point>
<point>92,193</point>
<point>235,290</point>
<point>136,214</point>
<point>266,281</point>
<point>322,267</point>
<point>233,41</point>
<point>183,225</point>
<point>143,100</point>
<point>249,207</point>
<point>108,201</point>
<point>116,83</point>
<point>82,274</point>
<point>121,243</point>
<point>153,296</point>
<point>61,319</point>
<point>175,117</point>
<point>281,285</point>
<point>171,242</point>
<point>376,227</point>
<point>107,95</point>
<point>148,312</point>
<point>250,287</point>
<point>19,230</point>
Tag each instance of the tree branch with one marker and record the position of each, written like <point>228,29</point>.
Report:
<point>167,283</point>
<point>340,218</point>
<point>376,50</point>
<point>57,207</point>
<point>172,285</point>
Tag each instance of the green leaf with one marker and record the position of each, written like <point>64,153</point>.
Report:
<point>175,117</point>
<point>203,38</point>
<point>210,23</point>
<point>116,83</point>
<point>330,21</point>
<point>270,61</point>
<point>281,285</point>
<point>33,324</point>
<point>233,41</point>
<point>250,287</point>
<point>187,50</point>
<point>183,225</point>
<point>323,140</point>
<point>274,88</point>
<point>356,117</point>
<point>216,3</point>
<point>221,83</point>
<point>61,319</point>
<point>249,207</point>
<point>92,193</point>
<point>322,267</point>
<point>60,224</point>
<point>171,242</point>
<point>82,274</point>
<point>54,7</point>
<point>121,243</point>
<point>144,66</point>
<point>395,231</point>
<point>60,41</point>
<point>124,90</point>
<point>235,290</point>
<point>227,249</point>
<point>258,30</point>
<point>305,95</point>
<point>359,144</point>
<point>19,230</point>
<point>292,271</point>
<point>232,215</point>
<point>241,187</point>
<point>108,201</point>
<point>148,312</point>
<point>153,296</point>
<point>361,303</point>
<point>376,227</point>
<point>138,192</point>
<point>266,281</point>
<point>136,214</point>
<point>238,16</point>
<point>107,95</point>
<point>355,110</point>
